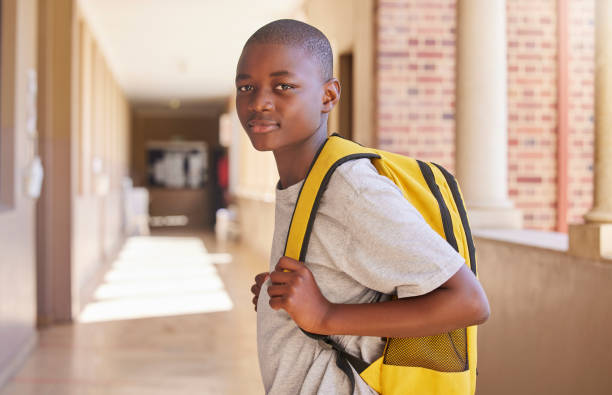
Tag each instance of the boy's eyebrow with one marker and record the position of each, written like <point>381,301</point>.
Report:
<point>274,74</point>
<point>279,73</point>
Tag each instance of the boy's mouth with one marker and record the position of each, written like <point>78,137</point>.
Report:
<point>262,126</point>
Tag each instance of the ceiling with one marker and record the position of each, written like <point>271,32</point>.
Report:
<point>161,50</point>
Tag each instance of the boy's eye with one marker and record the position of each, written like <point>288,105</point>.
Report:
<point>283,87</point>
<point>245,88</point>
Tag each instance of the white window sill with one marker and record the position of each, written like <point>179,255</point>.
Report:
<point>536,238</point>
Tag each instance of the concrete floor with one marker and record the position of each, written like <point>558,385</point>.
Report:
<point>190,352</point>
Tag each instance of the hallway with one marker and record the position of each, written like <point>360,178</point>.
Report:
<point>117,117</point>
<point>197,349</point>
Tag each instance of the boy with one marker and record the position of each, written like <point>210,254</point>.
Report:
<point>367,241</point>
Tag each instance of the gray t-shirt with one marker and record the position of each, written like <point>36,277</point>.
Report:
<point>367,242</point>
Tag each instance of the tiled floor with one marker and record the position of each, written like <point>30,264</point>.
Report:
<point>179,343</point>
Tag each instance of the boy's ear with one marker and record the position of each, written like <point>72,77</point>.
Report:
<point>331,95</point>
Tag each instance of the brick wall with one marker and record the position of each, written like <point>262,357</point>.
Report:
<point>416,59</point>
<point>416,78</point>
<point>581,129</point>
<point>532,110</point>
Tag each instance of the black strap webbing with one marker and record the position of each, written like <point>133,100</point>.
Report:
<point>447,221</point>
<point>452,183</point>
<point>345,361</point>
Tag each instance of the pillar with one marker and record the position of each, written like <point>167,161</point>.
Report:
<point>481,114</point>
<point>55,117</point>
<point>594,239</point>
<point>602,209</point>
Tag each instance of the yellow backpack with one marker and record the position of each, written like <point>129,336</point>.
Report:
<point>444,364</point>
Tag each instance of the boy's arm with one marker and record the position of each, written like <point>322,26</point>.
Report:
<point>458,303</point>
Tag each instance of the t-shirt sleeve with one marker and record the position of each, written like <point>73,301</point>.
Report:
<point>391,248</point>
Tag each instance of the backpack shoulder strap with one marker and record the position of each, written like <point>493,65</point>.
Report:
<point>335,151</point>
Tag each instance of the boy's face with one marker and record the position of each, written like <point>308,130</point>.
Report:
<point>281,96</point>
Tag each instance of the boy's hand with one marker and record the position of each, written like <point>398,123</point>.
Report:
<point>294,289</point>
<point>256,288</point>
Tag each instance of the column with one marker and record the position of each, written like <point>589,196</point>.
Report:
<point>602,208</point>
<point>57,287</point>
<point>481,116</point>
<point>594,239</point>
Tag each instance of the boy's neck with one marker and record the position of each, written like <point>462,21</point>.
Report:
<point>294,161</point>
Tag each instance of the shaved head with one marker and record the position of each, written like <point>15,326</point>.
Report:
<point>299,35</point>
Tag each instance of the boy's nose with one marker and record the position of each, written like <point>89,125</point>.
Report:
<point>262,101</point>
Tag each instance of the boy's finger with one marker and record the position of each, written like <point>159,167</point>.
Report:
<point>286,263</point>
<point>261,278</point>
<point>255,289</point>
<point>277,302</point>
<point>281,277</point>
<point>278,290</point>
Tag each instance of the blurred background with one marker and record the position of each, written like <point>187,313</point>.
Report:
<point>134,212</point>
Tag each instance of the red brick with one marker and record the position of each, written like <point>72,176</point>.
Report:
<point>430,79</point>
<point>429,55</point>
<point>390,54</point>
<point>529,32</point>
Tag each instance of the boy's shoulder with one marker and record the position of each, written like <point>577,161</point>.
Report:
<point>358,176</point>
<point>359,193</point>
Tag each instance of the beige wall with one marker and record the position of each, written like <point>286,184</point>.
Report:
<point>550,324</point>
<point>256,224</point>
<point>84,128</point>
<point>17,212</point>
<point>100,160</point>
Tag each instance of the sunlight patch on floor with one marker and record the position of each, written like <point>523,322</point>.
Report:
<point>160,276</point>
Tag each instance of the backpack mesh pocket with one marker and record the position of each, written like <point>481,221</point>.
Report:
<point>446,352</point>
